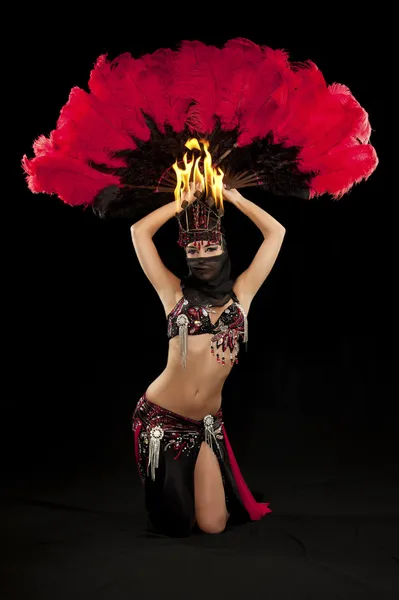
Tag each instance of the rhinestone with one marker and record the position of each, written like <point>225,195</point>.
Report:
<point>182,320</point>
<point>208,421</point>
<point>157,432</point>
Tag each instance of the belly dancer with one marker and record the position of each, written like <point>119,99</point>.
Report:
<point>201,123</point>
<point>184,456</point>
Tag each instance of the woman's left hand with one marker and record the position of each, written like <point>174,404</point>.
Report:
<point>231,195</point>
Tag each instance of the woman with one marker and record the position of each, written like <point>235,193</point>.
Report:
<point>176,498</point>
<point>274,124</point>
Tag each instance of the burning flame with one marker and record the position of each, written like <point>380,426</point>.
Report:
<point>207,178</point>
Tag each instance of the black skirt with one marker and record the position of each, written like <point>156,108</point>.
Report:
<point>167,446</point>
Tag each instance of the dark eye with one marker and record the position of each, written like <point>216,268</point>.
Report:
<point>191,251</point>
<point>211,249</point>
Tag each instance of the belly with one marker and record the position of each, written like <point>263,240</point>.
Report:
<point>195,391</point>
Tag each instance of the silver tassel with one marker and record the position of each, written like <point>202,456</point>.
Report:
<point>182,322</point>
<point>156,435</point>
<point>210,436</point>
<point>208,431</point>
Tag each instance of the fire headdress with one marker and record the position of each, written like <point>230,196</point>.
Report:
<point>242,115</point>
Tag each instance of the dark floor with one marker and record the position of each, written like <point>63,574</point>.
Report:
<point>333,534</point>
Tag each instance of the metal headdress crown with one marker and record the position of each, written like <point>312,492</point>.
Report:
<point>200,221</point>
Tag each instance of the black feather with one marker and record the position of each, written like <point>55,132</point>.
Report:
<point>148,169</point>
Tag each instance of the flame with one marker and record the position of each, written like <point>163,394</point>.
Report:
<point>207,178</point>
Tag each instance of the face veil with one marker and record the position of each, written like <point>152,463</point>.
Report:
<point>208,280</point>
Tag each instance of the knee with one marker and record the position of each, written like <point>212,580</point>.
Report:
<point>212,525</point>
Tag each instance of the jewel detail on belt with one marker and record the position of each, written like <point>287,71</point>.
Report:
<point>156,435</point>
<point>179,440</point>
<point>210,436</point>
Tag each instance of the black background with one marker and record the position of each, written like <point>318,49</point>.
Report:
<point>88,331</point>
<point>314,400</point>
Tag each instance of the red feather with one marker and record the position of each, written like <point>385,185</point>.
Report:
<point>72,180</point>
<point>199,75</point>
<point>133,86</point>
<point>266,104</point>
<point>241,59</point>
<point>342,168</point>
<point>251,87</point>
<point>90,130</point>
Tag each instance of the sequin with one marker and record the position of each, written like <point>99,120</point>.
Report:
<point>174,435</point>
<point>227,332</point>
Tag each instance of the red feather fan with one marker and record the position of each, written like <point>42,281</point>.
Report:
<point>280,120</point>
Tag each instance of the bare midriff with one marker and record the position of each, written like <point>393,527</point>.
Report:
<point>194,391</point>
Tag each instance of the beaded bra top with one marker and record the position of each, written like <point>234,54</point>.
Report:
<point>230,328</point>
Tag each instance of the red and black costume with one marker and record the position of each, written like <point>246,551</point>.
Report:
<point>167,447</point>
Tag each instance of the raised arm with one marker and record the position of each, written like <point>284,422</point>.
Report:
<point>164,281</point>
<point>249,282</point>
